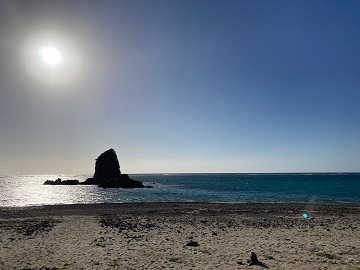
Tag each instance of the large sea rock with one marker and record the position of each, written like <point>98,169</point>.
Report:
<point>108,175</point>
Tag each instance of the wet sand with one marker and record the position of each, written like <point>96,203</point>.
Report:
<point>157,236</point>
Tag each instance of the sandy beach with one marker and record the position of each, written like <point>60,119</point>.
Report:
<point>180,236</point>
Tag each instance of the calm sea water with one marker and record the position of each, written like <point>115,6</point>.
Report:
<point>337,188</point>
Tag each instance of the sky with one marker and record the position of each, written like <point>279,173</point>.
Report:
<point>180,86</point>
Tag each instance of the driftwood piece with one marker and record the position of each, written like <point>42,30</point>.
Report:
<point>253,259</point>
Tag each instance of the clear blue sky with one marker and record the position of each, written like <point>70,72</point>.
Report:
<point>181,86</point>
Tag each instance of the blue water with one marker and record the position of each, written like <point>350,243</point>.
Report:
<point>341,188</point>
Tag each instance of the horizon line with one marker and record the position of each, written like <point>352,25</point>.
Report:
<point>173,173</point>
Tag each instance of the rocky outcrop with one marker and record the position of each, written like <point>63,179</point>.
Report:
<point>107,174</point>
<point>61,182</point>
<point>124,182</point>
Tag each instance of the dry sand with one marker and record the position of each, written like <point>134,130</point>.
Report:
<point>154,236</point>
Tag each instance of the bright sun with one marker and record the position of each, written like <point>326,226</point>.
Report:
<point>50,56</point>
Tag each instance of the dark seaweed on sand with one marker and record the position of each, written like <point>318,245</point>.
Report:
<point>28,227</point>
<point>125,224</point>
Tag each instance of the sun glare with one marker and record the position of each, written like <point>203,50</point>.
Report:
<point>50,56</point>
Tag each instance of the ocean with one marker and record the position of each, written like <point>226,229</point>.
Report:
<point>316,188</point>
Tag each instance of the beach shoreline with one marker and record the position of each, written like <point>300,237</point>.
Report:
<point>155,236</point>
<point>160,207</point>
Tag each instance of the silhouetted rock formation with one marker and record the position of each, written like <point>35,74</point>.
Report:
<point>107,174</point>
<point>107,165</point>
<point>123,182</point>
<point>61,182</point>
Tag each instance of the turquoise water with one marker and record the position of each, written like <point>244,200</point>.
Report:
<point>341,188</point>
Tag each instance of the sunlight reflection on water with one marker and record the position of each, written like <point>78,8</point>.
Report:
<point>29,189</point>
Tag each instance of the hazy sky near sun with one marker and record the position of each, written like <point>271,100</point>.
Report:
<point>180,85</point>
